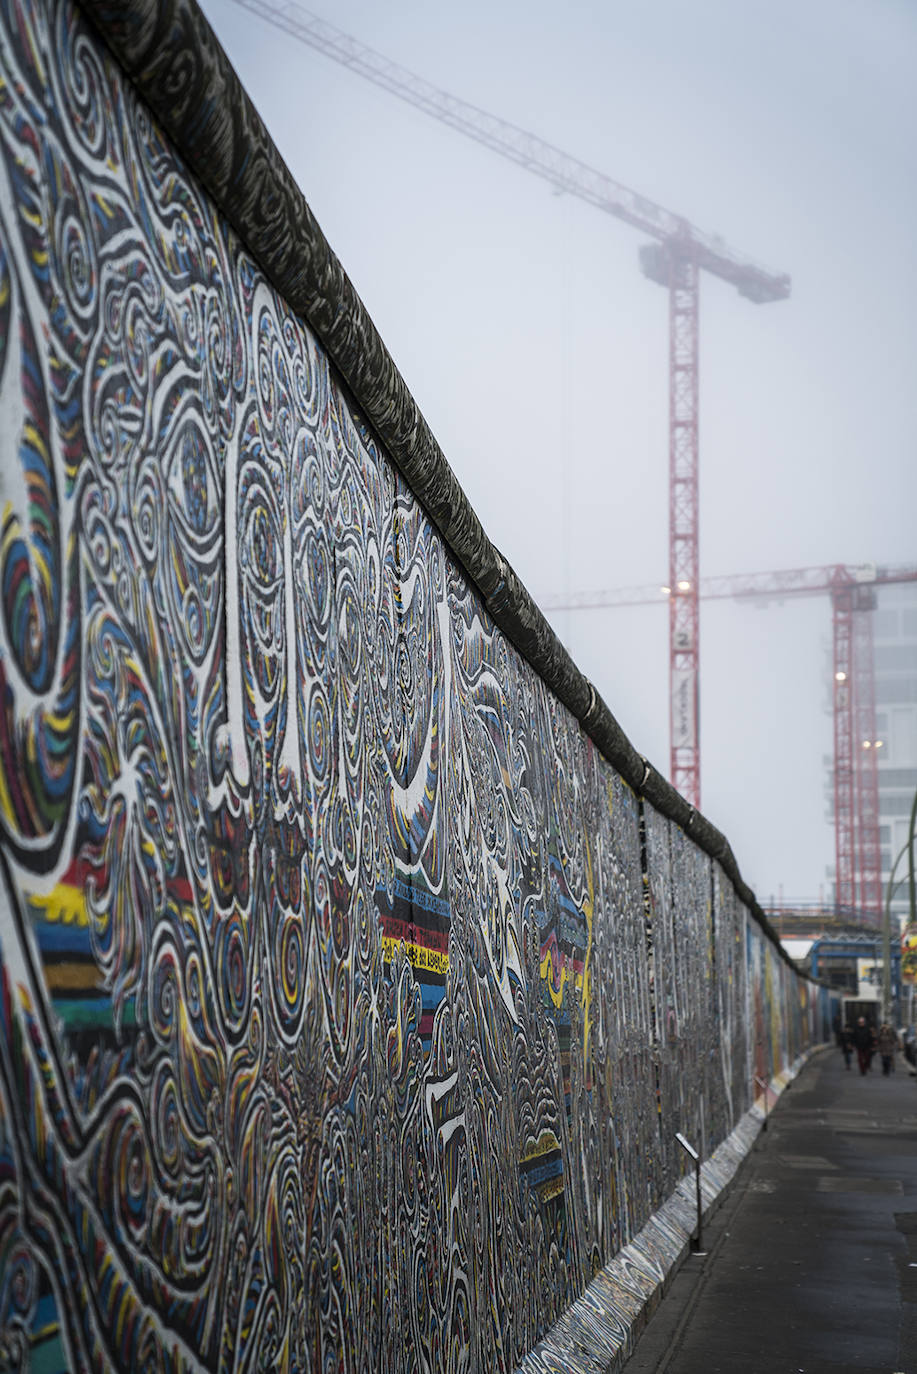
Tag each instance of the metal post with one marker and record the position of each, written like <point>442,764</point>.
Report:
<point>891,889</point>
<point>886,965</point>
<point>690,1151</point>
<point>911,877</point>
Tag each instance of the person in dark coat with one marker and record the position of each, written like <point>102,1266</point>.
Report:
<point>863,1044</point>
<point>846,1043</point>
<point>888,1044</point>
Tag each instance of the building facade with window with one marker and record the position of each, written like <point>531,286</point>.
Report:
<point>895,647</point>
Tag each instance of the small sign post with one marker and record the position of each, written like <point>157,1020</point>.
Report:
<point>693,1154</point>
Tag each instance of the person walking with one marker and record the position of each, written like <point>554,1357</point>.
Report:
<point>888,1045</point>
<point>863,1044</point>
<point>846,1043</point>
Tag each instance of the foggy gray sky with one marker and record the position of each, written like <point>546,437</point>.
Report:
<point>539,354</point>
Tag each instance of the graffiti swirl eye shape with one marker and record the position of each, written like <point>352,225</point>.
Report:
<point>196,485</point>
<point>219,341</point>
<point>21,1282</point>
<point>319,734</point>
<point>308,374</point>
<point>291,962</point>
<point>308,485</point>
<point>262,563</point>
<point>84,90</point>
<point>315,573</point>
<point>274,389</point>
<point>76,259</point>
<point>266,384</point>
<point>232,969</point>
<point>260,553</point>
<point>192,483</point>
<point>349,630</point>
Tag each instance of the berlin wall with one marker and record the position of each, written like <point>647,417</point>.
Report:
<point>356,972</point>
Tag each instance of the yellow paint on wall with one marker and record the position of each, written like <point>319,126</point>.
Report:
<point>63,905</point>
<point>63,978</point>
<point>544,1145</point>
<point>436,960</point>
<point>584,980</point>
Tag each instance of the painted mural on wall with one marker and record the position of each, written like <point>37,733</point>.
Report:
<point>338,1025</point>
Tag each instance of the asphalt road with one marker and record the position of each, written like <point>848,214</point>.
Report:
<point>811,1263</point>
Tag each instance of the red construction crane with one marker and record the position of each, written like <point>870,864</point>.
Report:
<point>858,881</point>
<point>675,259</point>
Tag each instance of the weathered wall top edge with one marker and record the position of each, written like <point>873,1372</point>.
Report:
<point>172,56</point>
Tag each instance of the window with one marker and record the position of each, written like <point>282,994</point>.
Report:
<point>897,777</point>
<point>903,738</point>
<point>896,689</point>
<point>885,624</point>
<point>896,656</point>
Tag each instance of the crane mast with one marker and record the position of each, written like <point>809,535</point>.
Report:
<point>674,259</point>
<point>867,746</point>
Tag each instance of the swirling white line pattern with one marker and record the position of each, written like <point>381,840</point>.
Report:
<point>340,1028</point>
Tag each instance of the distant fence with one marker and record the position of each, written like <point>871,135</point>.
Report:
<point>356,972</point>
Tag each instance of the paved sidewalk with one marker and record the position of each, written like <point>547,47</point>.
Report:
<point>811,1264</point>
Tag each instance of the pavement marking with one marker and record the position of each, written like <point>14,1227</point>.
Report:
<point>832,1183</point>
<point>806,1161</point>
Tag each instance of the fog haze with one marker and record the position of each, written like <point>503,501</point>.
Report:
<point>538,353</point>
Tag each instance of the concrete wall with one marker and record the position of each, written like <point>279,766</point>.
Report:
<point>350,997</point>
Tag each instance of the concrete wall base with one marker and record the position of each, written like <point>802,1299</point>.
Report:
<point>598,1332</point>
